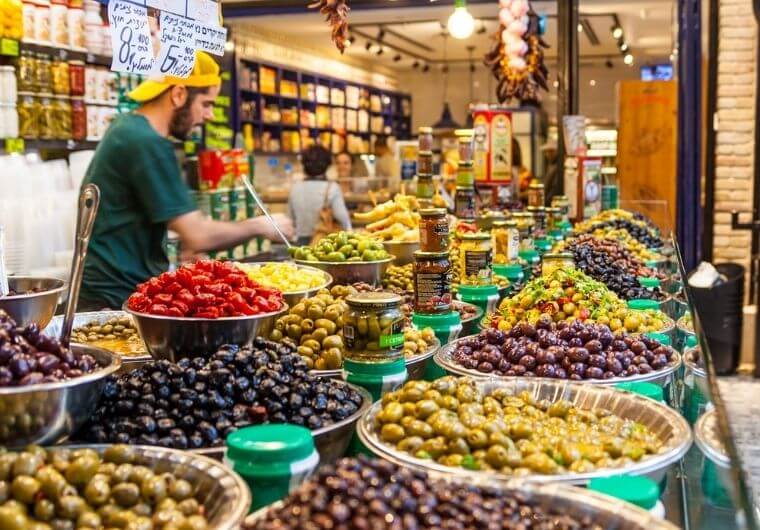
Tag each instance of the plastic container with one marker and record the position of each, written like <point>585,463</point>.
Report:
<point>648,390</point>
<point>532,258</point>
<point>273,460</point>
<point>447,328</point>
<point>640,491</point>
<point>511,271</point>
<point>484,296</point>
<point>377,378</point>
<point>543,245</point>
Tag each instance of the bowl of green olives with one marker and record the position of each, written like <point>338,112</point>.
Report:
<point>534,430</point>
<point>119,486</point>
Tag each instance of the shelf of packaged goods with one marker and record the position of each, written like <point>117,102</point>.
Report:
<point>66,54</point>
<point>21,145</point>
<point>602,152</point>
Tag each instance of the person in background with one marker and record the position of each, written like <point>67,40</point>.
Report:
<point>142,192</point>
<point>519,171</point>
<point>344,165</point>
<point>386,165</point>
<point>553,178</point>
<point>315,192</point>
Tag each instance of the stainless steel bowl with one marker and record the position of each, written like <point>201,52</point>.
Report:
<point>331,442</point>
<point>403,250</point>
<point>709,440</point>
<point>224,495</point>
<point>348,272</point>
<point>607,512</point>
<point>694,372</point>
<point>663,421</point>
<point>48,413</point>
<point>176,338</point>
<point>415,365</point>
<point>293,297</point>
<point>444,359</point>
<point>128,362</point>
<point>33,307</point>
<point>471,326</point>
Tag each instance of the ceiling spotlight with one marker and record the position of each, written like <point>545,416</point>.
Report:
<point>580,28</point>
<point>608,64</point>
<point>350,40</point>
<point>624,47</point>
<point>472,67</point>
<point>380,50</point>
<point>628,59</point>
<point>482,29</point>
<point>397,58</point>
<point>592,82</point>
<point>416,64</point>
<point>555,84</point>
<point>381,34</point>
<point>461,24</point>
<point>617,31</point>
<point>426,68</point>
<point>368,46</point>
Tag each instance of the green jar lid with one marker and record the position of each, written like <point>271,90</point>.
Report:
<point>557,235</point>
<point>477,291</point>
<point>691,341</point>
<point>653,263</point>
<point>509,270</point>
<point>388,368</point>
<point>649,282</point>
<point>437,321</point>
<point>529,255</point>
<point>269,444</point>
<point>641,491</point>
<point>662,338</point>
<point>649,390</point>
<point>642,304</point>
<point>543,244</point>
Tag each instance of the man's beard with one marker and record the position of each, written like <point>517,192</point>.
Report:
<point>181,123</point>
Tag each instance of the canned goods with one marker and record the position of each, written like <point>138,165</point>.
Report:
<point>78,119</point>
<point>59,27</point>
<point>90,84</point>
<point>76,28</point>
<point>28,10</point>
<point>76,78</point>
<point>432,282</point>
<point>42,22</point>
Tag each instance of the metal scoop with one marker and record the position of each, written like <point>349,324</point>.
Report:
<point>250,189</point>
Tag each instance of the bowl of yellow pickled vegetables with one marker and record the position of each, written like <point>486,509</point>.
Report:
<point>294,280</point>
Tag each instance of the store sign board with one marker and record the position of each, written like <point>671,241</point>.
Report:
<point>165,44</point>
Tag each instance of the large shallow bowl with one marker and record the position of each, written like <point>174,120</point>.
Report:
<point>471,326</point>
<point>403,250</point>
<point>663,421</point>
<point>224,495</point>
<point>348,272</point>
<point>33,307</point>
<point>607,512</point>
<point>331,442</point>
<point>48,413</point>
<point>175,338</point>
<point>444,358</point>
<point>293,297</point>
<point>128,362</point>
<point>415,365</point>
<point>694,372</point>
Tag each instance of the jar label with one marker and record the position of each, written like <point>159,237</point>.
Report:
<point>477,263</point>
<point>394,339</point>
<point>432,292</point>
<point>464,204</point>
<point>434,235</point>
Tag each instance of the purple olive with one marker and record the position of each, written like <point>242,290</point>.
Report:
<point>519,369</point>
<point>528,361</point>
<point>48,362</point>
<point>638,347</point>
<point>575,342</point>
<point>598,361</point>
<point>485,368</point>
<point>527,329</point>
<point>578,355</point>
<point>632,370</point>
<point>615,366</point>
<point>619,345</point>
<point>594,372</point>
<point>578,369</point>
<point>644,368</point>
<point>560,373</point>
<point>19,365</point>
<point>593,346</point>
<point>546,370</point>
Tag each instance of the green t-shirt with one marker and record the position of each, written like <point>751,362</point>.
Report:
<point>141,190</point>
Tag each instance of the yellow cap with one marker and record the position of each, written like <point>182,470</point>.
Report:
<point>205,74</point>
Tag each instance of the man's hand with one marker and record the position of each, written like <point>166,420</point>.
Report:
<point>268,231</point>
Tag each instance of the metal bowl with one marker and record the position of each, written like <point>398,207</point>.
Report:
<point>348,272</point>
<point>415,365</point>
<point>293,297</point>
<point>48,413</point>
<point>695,372</point>
<point>33,307</point>
<point>128,362</point>
<point>607,512</point>
<point>403,250</point>
<point>331,442</point>
<point>471,326</point>
<point>662,377</point>
<point>175,338</point>
<point>224,495</point>
<point>666,423</point>
<point>709,440</point>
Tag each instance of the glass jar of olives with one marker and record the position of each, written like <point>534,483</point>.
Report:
<point>475,259</point>
<point>59,71</point>
<point>61,122</point>
<point>27,72</point>
<point>42,71</point>
<point>46,117</point>
<point>539,218</point>
<point>28,116</point>
<point>373,327</point>
<point>506,241</point>
<point>551,262</point>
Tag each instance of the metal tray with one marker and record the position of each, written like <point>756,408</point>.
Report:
<point>661,377</point>
<point>331,442</point>
<point>609,513</point>
<point>128,362</point>
<point>666,423</point>
<point>415,366</point>
<point>224,495</point>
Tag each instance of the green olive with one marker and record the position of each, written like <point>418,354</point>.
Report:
<point>126,494</point>
<point>44,509</point>
<point>11,519</point>
<point>392,433</point>
<point>153,489</point>
<point>70,507</point>
<point>89,520</point>
<point>26,464</point>
<point>195,522</point>
<point>82,469</point>
<point>97,491</point>
<point>189,507</point>
<point>24,489</point>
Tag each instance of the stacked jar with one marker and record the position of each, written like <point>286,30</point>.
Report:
<point>102,97</point>
<point>464,198</point>
<point>563,203</point>
<point>425,186</point>
<point>536,196</point>
<point>526,225</point>
<point>506,247</point>
<point>93,24</point>
<point>8,113</point>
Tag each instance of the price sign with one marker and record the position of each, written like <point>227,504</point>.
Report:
<point>177,54</point>
<point>9,47</point>
<point>130,36</point>
<point>14,145</point>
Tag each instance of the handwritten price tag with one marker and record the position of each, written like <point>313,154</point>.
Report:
<point>209,38</point>
<point>177,54</point>
<point>130,36</point>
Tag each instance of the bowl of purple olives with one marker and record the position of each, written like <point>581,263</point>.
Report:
<point>578,351</point>
<point>47,391</point>
<point>32,300</point>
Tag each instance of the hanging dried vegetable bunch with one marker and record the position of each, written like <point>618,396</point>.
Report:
<point>336,13</point>
<point>517,57</point>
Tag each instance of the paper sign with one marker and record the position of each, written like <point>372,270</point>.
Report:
<point>203,11</point>
<point>130,37</point>
<point>210,38</point>
<point>172,6</point>
<point>177,54</point>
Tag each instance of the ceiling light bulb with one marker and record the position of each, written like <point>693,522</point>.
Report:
<point>580,28</point>
<point>628,59</point>
<point>617,32</point>
<point>624,47</point>
<point>555,84</point>
<point>592,82</point>
<point>461,24</point>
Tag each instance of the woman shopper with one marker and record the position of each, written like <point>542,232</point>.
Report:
<point>315,196</point>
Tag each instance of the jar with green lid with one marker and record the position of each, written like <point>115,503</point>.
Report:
<point>539,218</point>
<point>61,123</point>
<point>559,261</point>
<point>28,116</point>
<point>465,175</point>
<point>554,223</point>
<point>273,460</point>
<point>536,195</point>
<point>505,240</point>
<point>46,117</point>
<point>475,259</point>
<point>44,81</point>
<point>373,328</point>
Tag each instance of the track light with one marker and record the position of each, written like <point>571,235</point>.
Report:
<point>397,58</point>
<point>628,59</point>
<point>617,31</point>
<point>380,50</point>
<point>472,67</point>
<point>482,29</point>
<point>416,64</point>
<point>381,34</point>
<point>608,64</point>
<point>624,47</point>
<point>368,46</point>
<point>426,68</point>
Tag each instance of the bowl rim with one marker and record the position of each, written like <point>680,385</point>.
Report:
<point>479,314</point>
<point>328,277</point>
<point>706,443</point>
<point>59,288</point>
<point>102,373</point>
<point>408,361</point>
<point>397,242</point>
<point>259,316</point>
<point>316,264</point>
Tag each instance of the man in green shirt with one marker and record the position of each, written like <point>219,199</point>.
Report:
<point>142,192</point>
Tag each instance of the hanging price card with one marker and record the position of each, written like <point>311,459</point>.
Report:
<point>177,53</point>
<point>130,37</point>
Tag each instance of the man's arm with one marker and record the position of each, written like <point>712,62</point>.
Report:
<point>201,234</point>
